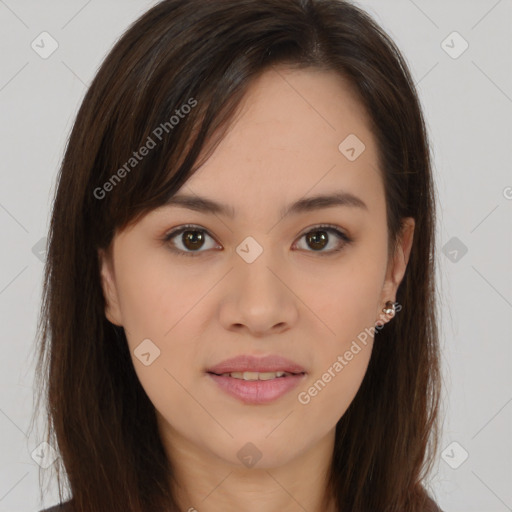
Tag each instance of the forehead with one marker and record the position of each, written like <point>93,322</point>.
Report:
<point>289,139</point>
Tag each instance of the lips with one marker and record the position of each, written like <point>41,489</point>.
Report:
<point>248,363</point>
<point>257,380</point>
<point>256,392</point>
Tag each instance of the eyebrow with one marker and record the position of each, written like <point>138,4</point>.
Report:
<point>306,204</point>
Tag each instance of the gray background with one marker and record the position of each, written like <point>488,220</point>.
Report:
<point>468,105</point>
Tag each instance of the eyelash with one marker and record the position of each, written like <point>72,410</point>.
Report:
<point>322,227</point>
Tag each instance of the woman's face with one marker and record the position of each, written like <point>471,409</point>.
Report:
<point>259,277</point>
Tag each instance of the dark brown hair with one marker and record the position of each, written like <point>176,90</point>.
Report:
<point>205,54</point>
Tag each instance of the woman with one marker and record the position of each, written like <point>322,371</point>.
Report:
<point>239,308</point>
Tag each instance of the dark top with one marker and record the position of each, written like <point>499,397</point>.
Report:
<point>62,507</point>
<point>65,507</point>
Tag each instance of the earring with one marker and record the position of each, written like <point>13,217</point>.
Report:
<point>389,308</point>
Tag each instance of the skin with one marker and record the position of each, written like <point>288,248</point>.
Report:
<point>290,301</point>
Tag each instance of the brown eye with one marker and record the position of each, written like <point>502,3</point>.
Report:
<point>319,238</point>
<point>188,240</point>
<point>192,240</point>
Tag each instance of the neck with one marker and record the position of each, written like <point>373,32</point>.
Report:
<point>204,482</point>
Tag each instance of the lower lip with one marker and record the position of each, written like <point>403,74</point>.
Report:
<point>257,392</point>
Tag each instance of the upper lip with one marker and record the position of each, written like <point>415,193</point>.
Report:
<point>248,363</point>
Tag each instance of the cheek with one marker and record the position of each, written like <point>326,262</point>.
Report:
<point>344,296</point>
<point>330,390</point>
<point>156,296</point>
<point>341,361</point>
<point>160,303</point>
<point>345,300</point>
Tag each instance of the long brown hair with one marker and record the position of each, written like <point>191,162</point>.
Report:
<point>184,67</point>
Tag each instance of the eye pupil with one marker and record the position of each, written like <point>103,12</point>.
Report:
<point>193,237</point>
<point>318,242</point>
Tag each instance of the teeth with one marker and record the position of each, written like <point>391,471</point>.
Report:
<point>256,375</point>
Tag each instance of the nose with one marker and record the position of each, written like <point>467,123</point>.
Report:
<point>257,298</point>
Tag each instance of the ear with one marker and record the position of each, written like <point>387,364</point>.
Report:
<point>108,285</point>
<point>397,265</point>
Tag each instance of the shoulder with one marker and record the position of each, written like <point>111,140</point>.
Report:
<point>61,507</point>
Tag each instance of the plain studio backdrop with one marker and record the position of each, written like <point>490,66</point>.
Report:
<point>459,54</point>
